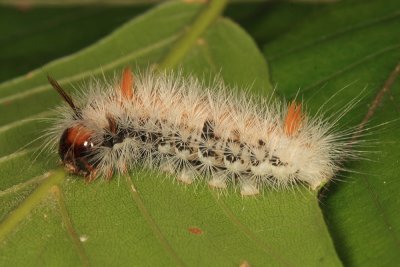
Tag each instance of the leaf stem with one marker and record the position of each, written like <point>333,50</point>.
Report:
<point>15,217</point>
<point>206,17</point>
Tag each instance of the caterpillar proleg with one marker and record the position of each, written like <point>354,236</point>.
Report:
<point>195,131</point>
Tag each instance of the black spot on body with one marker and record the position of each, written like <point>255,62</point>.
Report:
<point>275,161</point>
<point>230,157</point>
<point>150,137</point>
<point>107,141</point>
<point>211,153</point>
<point>162,141</point>
<point>110,139</point>
<point>180,145</point>
<point>255,162</point>
<point>208,131</point>
<point>195,163</point>
<point>206,151</point>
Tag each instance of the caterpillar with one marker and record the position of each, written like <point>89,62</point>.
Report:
<point>182,126</point>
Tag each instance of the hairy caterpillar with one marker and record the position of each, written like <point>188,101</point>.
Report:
<point>181,126</point>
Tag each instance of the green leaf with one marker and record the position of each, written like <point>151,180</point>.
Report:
<point>356,45</point>
<point>33,37</point>
<point>146,219</point>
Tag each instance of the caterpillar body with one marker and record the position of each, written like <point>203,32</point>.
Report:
<point>181,126</point>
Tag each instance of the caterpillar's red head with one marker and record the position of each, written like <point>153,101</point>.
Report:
<point>76,150</point>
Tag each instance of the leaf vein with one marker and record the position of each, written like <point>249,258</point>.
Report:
<point>152,224</point>
<point>348,30</point>
<point>68,224</point>
<point>351,66</point>
<point>244,229</point>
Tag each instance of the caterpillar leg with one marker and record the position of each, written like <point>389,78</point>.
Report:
<point>124,168</point>
<point>166,166</point>
<point>186,176</point>
<point>109,174</point>
<point>249,188</point>
<point>218,181</point>
<point>316,184</point>
<point>91,177</point>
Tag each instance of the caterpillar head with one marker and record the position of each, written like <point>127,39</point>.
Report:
<point>76,150</point>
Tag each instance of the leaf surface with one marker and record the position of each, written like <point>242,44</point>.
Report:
<point>147,219</point>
